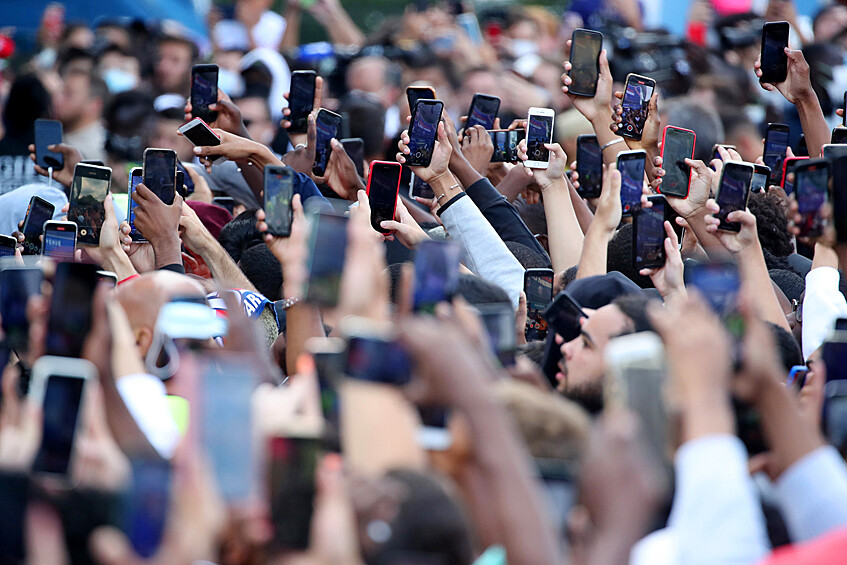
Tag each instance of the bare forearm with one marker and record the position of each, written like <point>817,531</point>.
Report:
<point>563,232</point>
<point>118,263</point>
<point>463,170</point>
<point>513,184</point>
<point>167,251</point>
<point>754,272</point>
<point>814,124</point>
<point>224,270</point>
<point>583,213</point>
<point>342,30</point>
<point>595,248</point>
<point>291,37</point>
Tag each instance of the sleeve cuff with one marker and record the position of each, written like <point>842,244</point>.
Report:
<point>450,203</point>
<point>175,267</point>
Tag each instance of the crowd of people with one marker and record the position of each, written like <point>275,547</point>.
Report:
<point>237,410</point>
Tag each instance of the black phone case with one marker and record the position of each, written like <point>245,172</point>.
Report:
<point>575,87</point>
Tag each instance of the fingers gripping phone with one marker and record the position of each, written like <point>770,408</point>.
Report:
<point>811,185</point>
<point>635,105</point>
<point>776,144</point>
<point>538,288</point>
<point>436,273</point>
<point>327,124</point>
<point>774,61</point>
<point>301,100</point>
<point>48,132</point>
<point>38,212</point>
<point>585,62</point>
<point>423,132</point>
<point>277,194</point>
<point>589,166</point>
<point>677,146</point>
<point>483,111</point>
<point>159,171</point>
<point>89,189</point>
<point>60,240</point>
<point>733,192</point>
<point>135,177</point>
<point>383,189</point>
<point>539,132</point>
<point>201,135</point>
<point>204,92</point>
<point>648,234</point>
<point>631,166</point>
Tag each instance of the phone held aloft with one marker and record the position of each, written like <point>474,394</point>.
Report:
<point>585,62</point>
<point>278,192</point>
<point>423,132</point>
<point>89,189</point>
<point>539,132</point>
<point>635,105</point>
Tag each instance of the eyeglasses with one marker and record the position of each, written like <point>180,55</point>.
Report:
<point>797,309</point>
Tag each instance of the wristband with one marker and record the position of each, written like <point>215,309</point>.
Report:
<point>616,140</point>
<point>129,278</point>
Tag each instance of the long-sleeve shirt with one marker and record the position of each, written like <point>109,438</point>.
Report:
<point>822,304</point>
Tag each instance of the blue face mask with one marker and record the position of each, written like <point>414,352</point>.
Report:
<point>119,80</point>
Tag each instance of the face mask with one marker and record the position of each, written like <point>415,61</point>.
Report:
<point>521,47</point>
<point>230,82</point>
<point>119,80</point>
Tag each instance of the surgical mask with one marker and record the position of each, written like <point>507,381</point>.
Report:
<point>119,80</point>
<point>230,82</point>
<point>521,47</point>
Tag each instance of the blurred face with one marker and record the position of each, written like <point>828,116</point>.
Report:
<point>254,112</point>
<point>165,136</point>
<point>549,77</point>
<point>483,82</point>
<point>368,75</point>
<point>73,104</point>
<point>173,67</point>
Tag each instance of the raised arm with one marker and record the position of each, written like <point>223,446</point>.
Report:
<point>595,246</point>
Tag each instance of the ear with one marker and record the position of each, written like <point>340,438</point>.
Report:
<point>143,338</point>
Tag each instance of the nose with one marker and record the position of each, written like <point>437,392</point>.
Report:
<point>567,349</point>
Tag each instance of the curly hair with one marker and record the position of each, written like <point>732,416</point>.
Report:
<point>771,223</point>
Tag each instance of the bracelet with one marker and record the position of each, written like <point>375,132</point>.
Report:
<point>288,303</point>
<point>616,140</point>
<point>438,198</point>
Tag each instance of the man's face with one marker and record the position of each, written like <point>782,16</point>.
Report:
<point>173,67</point>
<point>73,98</point>
<point>254,112</point>
<point>166,136</point>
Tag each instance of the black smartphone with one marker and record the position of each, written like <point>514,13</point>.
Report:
<point>383,188</point>
<point>373,356</point>
<point>48,132</point>
<point>733,192</point>
<point>483,111</point>
<point>834,150</point>
<point>648,234</point>
<point>38,212</point>
<point>327,128</point>
<point>17,286</point>
<point>844,107</point>
<point>811,185</point>
<point>589,166</point>
<point>135,176</point>
<point>8,245</point>
<point>498,318</point>
<point>159,171</point>
<point>436,273</point>
<point>839,135</point>
<point>839,197</point>
<point>278,192</point>
<point>585,62</point>
<point>200,134</point>
<point>225,202</point>
<point>499,138</point>
<point>423,132</point>
<point>773,59</point>
<point>677,146</point>
<point>70,308</point>
<point>833,354</point>
<point>204,92</point>
<point>563,316</point>
<point>292,467</point>
<point>776,143</point>
<point>802,149</point>
<point>181,187</point>
<point>355,149</point>
<point>635,105</point>
<point>89,189</point>
<point>301,100</point>
<point>59,240</point>
<point>327,247</point>
<point>538,288</point>
<point>148,500</point>
<point>631,166</point>
<point>419,188</point>
<point>761,175</point>
<point>415,93</point>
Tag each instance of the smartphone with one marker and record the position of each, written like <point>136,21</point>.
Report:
<point>327,128</point>
<point>733,192</point>
<point>761,175</point>
<point>538,288</point>
<point>383,189</point>
<point>483,111</point>
<point>844,107</point>
<point>89,189</point>
<point>201,135</point>
<point>38,212</point>
<point>355,149</point>
<point>70,308</point>
<point>677,146</point>
<point>204,92</point>
<point>107,277</point>
<point>291,477</point>
<point>631,166</point>
<point>648,234</point>
<point>513,138</point>
<point>58,386</point>
<point>225,202</point>
<point>839,135</point>
<point>835,414</point>
<point>148,501</point>
<point>833,354</point>
<point>498,318</point>
<point>563,315</point>
<point>8,245</point>
<point>716,154</point>
<point>436,273</point>
<point>773,59</point>
<point>278,192</point>
<point>585,62</point>
<point>48,132</point>
<point>776,143</point>
<point>834,150</point>
<point>797,377</point>
<point>635,105</point>
<point>499,139</point>
<point>417,187</point>
<point>59,240</point>
<point>589,165</point>
<point>301,100</point>
<point>327,247</point>
<point>159,171</point>
<point>718,282</point>
<point>423,132</point>
<point>802,149</point>
<point>373,354</point>
<point>329,355</point>
<point>433,434</point>
<point>811,185</point>
<point>539,132</point>
<point>415,93</point>
<point>17,286</point>
<point>788,167</point>
<point>839,197</point>
<point>135,176</point>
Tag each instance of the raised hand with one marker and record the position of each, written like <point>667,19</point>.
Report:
<point>478,148</point>
<point>229,116</point>
<point>734,242</point>
<point>597,107</point>
<point>797,84</point>
<point>340,175</point>
<point>72,156</point>
<point>668,279</point>
<point>441,153</point>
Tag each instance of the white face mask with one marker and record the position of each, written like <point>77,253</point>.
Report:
<point>521,47</point>
<point>119,80</point>
<point>231,83</point>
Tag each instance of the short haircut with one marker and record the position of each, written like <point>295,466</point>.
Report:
<point>476,290</point>
<point>634,307</point>
<point>240,234</point>
<point>262,268</point>
<point>527,257</point>
<point>790,283</point>
<point>789,350</point>
<point>771,223</point>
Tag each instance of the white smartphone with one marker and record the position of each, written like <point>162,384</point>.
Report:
<point>201,135</point>
<point>58,386</point>
<point>539,131</point>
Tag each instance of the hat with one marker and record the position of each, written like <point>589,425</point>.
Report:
<point>600,290</point>
<point>213,217</point>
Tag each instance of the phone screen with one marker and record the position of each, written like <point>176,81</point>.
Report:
<point>839,135</point>
<point>201,136</point>
<point>134,179</point>
<point>678,146</point>
<point>636,102</point>
<point>17,285</point>
<point>589,165</point>
<point>811,185</point>
<point>501,146</point>
<point>833,355</point>
<point>278,192</point>
<point>839,197</point>
<point>204,91</point>
<point>774,60</point>
<point>88,192</point>
<point>60,242</point>
<point>649,229</point>
<point>776,143</point>
<point>631,168</point>
<point>789,175</point>
<point>498,318</point>
<point>327,129</point>
<point>301,100</point>
<point>355,149</point>
<point>717,282</point>
<point>423,132</point>
<point>160,173</point>
<point>732,193</point>
<point>383,185</point>
<point>585,67</point>
<point>563,316</point>
<point>39,211</point>
<point>7,246</point>
<point>760,179</point>
<point>148,500</point>
<point>836,418</point>
<point>420,188</point>
<point>48,132</point>
<point>436,273</point>
<point>415,93</point>
<point>378,360</point>
<point>538,289</point>
<point>483,111</point>
<point>513,138</point>
<point>62,399</point>
<point>70,308</point>
<point>293,463</point>
<point>327,246</point>
<point>539,133</point>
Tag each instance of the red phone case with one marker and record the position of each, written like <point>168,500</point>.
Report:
<point>693,148</point>
<point>785,167</point>
<point>396,188</point>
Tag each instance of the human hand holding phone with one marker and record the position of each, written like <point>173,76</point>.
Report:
<point>734,242</point>
<point>555,171</point>
<point>609,206</point>
<point>478,148</point>
<point>109,253</point>
<point>65,175</point>
<point>228,115</point>
<point>341,174</point>
<point>668,279</point>
<point>404,227</point>
<point>597,107</point>
<point>235,148</point>
<point>439,162</point>
<point>291,251</point>
<point>797,85</point>
<point>652,131</point>
<point>699,190</point>
<point>298,138</point>
<point>159,224</point>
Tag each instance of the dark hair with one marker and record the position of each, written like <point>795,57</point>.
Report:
<point>263,270</point>
<point>771,223</point>
<point>70,55</point>
<point>533,215</point>
<point>619,257</point>
<point>789,350</point>
<point>240,234</point>
<point>534,351</point>
<point>394,270</point>
<point>789,282</point>
<point>366,120</point>
<point>476,290</point>
<point>129,124</point>
<point>634,307</point>
<point>28,100</point>
<point>567,277</point>
<point>527,257</point>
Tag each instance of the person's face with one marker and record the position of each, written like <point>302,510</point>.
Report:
<point>173,67</point>
<point>254,112</point>
<point>165,136</point>
<point>483,82</point>
<point>73,99</point>
<point>369,76</point>
<point>549,77</point>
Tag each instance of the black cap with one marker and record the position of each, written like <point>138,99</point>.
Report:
<point>600,290</point>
